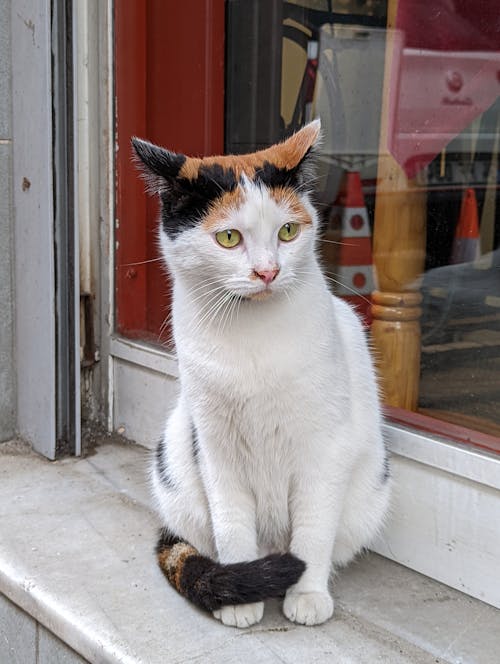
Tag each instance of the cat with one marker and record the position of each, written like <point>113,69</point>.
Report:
<point>272,469</point>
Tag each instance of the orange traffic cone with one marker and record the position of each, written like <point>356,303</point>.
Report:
<point>355,271</point>
<point>466,245</point>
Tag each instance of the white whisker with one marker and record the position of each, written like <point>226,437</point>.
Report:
<point>150,260</point>
<point>216,302</point>
<point>339,283</point>
<point>341,243</point>
<point>222,318</point>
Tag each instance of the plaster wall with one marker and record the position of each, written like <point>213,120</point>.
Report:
<point>7,380</point>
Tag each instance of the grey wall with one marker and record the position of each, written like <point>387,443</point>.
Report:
<point>7,386</point>
<point>25,641</point>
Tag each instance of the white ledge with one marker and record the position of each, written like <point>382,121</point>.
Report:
<point>462,460</point>
<point>76,553</point>
<point>145,355</point>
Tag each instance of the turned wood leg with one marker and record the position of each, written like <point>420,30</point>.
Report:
<point>399,258</point>
<point>396,334</point>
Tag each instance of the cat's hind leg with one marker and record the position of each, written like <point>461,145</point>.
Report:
<point>365,507</point>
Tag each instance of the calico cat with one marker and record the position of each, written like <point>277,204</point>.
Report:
<point>272,469</point>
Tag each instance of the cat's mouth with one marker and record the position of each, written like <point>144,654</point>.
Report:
<point>264,293</point>
<point>254,291</point>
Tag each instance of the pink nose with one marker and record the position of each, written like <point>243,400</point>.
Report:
<point>267,275</point>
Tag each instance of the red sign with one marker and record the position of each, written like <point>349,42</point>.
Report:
<point>446,72</point>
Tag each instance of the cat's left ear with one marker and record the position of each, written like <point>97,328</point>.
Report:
<point>294,157</point>
<point>159,166</point>
<point>302,143</point>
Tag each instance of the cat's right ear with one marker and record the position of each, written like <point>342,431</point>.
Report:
<point>160,167</point>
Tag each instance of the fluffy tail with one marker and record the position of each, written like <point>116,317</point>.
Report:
<point>210,585</point>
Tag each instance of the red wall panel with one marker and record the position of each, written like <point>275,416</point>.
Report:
<point>169,89</point>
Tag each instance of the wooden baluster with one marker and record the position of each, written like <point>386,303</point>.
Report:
<point>398,257</point>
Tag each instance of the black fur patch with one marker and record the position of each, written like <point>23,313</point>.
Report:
<point>215,180</point>
<point>210,585</point>
<point>386,472</point>
<point>181,210</point>
<point>195,443</point>
<point>166,539</point>
<point>162,464</point>
<point>184,201</point>
<point>159,161</point>
<point>271,175</point>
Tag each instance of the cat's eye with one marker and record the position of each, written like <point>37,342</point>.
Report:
<point>288,231</point>
<point>228,238</point>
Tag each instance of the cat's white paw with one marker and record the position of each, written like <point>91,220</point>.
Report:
<point>241,615</point>
<point>308,608</point>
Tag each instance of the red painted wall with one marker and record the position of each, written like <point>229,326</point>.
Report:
<point>169,89</point>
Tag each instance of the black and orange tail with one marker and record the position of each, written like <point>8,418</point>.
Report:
<point>210,585</point>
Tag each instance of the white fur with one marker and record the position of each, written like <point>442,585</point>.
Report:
<point>283,396</point>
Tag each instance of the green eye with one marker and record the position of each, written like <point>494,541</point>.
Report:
<point>288,231</point>
<point>229,238</point>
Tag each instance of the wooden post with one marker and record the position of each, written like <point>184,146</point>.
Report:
<point>398,257</point>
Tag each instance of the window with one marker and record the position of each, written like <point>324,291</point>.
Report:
<point>408,171</point>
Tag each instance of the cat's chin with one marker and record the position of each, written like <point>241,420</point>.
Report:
<point>256,296</point>
<point>261,295</point>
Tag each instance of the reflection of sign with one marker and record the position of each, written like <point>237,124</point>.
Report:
<point>454,81</point>
<point>457,102</point>
<point>431,106</point>
<point>445,73</point>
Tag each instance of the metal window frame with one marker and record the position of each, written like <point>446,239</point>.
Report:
<point>46,265</point>
<point>68,428</point>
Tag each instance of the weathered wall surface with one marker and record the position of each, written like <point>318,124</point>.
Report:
<point>7,385</point>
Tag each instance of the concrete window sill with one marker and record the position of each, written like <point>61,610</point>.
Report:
<point>76,547</point>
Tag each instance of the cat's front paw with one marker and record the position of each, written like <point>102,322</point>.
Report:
<point>308,608</point>
<point>241,615</point>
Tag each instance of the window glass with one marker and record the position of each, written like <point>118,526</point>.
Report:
<point>407,182</point>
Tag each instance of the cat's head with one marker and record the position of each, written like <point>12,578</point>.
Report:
<point>240,222</point>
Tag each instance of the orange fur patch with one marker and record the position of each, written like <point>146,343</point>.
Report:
<point>287,198</point>
<point>172,559</point>
<point>221,208</point>
<point>283,155</point>
<point>289,153</point>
